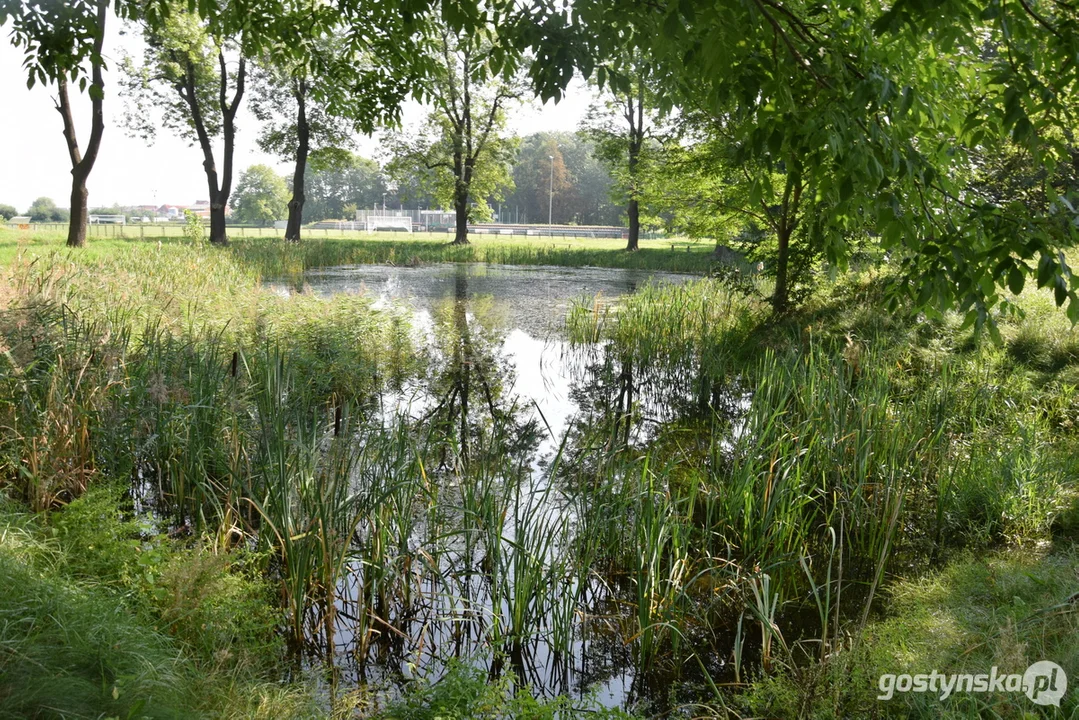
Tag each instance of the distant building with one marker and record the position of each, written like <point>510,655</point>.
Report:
<point>170,211</point>
<point>176,212</point>
<point>202,208</point>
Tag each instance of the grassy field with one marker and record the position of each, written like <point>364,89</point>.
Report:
<point>274,258</point>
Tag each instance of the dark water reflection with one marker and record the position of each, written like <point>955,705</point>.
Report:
<point>521,309</point>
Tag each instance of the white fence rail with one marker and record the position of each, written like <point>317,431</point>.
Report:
<point>329,229</point>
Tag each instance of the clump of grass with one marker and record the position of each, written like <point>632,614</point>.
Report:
<point>1047,349</point>
<point>196,292</point>
<point>1008,610</point>
<point>70,652</point>
<point>667,325</point>
<point>464,692</point>
<point>84,640</point>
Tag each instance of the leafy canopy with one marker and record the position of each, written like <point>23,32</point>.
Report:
<point>260,198</point>
<point>879,110</point>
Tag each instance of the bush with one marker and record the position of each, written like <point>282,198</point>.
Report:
<point>218,609</point>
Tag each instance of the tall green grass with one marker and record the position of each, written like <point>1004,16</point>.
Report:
<point>274,258</point>
<point>729,472</point>
<point>846,461</point>
<point>94,621</point>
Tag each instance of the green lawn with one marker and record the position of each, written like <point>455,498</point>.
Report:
<point>272,257</point>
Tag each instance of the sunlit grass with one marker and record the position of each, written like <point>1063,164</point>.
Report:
<point>272,257</point>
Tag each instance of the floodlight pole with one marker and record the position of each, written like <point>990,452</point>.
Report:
<point>550,197</point>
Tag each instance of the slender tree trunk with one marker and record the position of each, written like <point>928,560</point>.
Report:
<point>463,172</point>
<point>635,116</point>
<point>781,296</point>
<point>788,221</point>
<point>219,188</point>
<point>218,234</point>
<point>187,91</point>
<point>633,208</point>
<point>80,215</point>
<point>634,212</point>
<point>460,206</point>
<point>303,137</point>
<point>82,164</point>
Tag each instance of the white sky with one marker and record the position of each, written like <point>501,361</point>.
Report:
<point>34,162</point>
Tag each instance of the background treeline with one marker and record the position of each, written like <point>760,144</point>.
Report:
<point>582,189</point>
<point>582,186</point>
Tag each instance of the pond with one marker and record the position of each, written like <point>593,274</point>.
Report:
<point>482,561</point>
<point>524,307</point>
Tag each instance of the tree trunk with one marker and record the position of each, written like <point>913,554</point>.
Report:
<point>781,296</point>
<point>460,206</point>
<point>634,212</point>
<point>785,227</point>
<point>188,92</point>
<point>218,233</point>
<point>219,192</point>
<point>82,164</point>
<point>635,115</point>
<point>633,208</point>
<point>80,217</point>
<point>303,137</point>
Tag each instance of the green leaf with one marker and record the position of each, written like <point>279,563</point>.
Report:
<point>1016,280</point>
<point>846,189</point>
<point>1073,309</point>
<point>1045,270</point>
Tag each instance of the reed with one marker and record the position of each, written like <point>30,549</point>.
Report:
<point>278,259</point>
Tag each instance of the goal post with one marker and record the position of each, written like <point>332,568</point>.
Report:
<point>382,222</point>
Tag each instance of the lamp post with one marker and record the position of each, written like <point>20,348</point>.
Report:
<point>550,196</point>
<point>383,202</point>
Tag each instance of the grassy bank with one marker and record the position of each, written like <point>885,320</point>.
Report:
<point>99,622</point>
<point>272,257</point>
<point>1006,610</point>
<point>879,459</point>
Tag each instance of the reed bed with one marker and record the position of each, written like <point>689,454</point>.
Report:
<point>276,258</point>
<point>832,464</point>
<point>727,479</point>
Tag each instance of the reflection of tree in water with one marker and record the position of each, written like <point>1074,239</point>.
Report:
<point>470,376</point>
<point>623,401</point>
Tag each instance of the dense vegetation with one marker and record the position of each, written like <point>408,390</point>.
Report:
<point>827,498</point>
